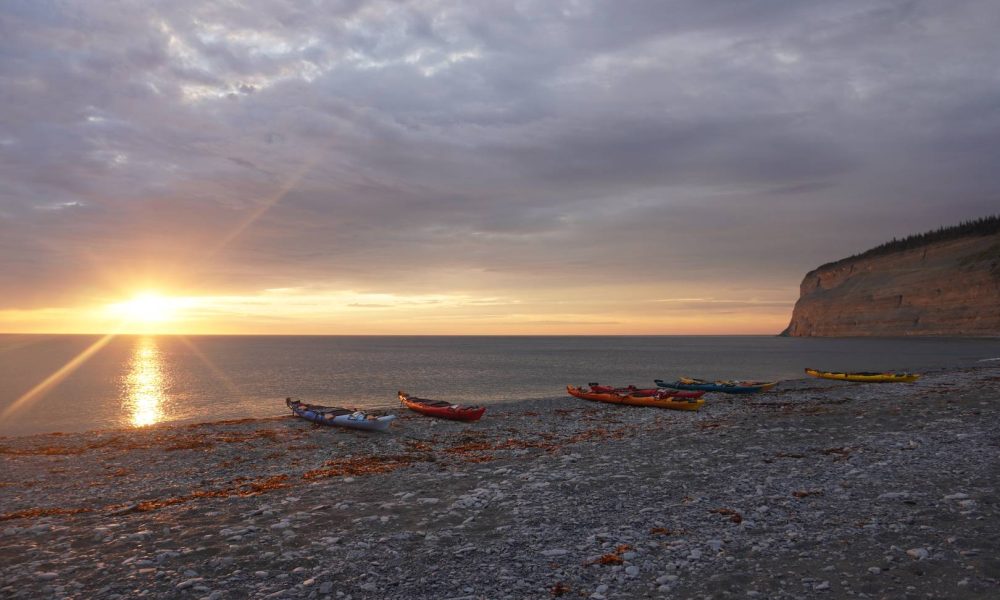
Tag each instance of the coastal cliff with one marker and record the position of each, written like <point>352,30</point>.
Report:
<point>944,283</point>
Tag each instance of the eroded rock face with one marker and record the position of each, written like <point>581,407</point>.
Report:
<point>949,288</point>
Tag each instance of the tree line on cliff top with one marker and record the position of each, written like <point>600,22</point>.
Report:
<point>976,227</point>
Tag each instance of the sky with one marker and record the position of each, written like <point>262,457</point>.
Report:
<point>439,167</point>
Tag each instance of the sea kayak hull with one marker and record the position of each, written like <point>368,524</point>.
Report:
<point>741,387</point>
<point>668,402</point>
<point>340,417</point>
<point>441,409</point>
<point>631,390</point>
<point>865,377</point>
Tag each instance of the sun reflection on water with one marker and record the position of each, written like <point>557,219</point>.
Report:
<point>144,388</point>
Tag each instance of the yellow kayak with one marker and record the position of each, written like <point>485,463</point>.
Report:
<point>865,377</point>
<point>655,401</point>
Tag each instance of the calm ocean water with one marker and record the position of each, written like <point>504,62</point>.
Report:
<point>134,380</point>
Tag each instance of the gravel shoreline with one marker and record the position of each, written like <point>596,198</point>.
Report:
<point>816,489</point>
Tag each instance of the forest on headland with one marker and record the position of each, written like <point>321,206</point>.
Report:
<point>977,227</point>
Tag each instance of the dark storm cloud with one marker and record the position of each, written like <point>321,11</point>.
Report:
<point>534,143</point>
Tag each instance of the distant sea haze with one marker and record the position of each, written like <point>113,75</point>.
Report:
<point>135,381</point>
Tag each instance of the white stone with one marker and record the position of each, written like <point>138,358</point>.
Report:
<point>188,583</point>
<point>918,553</point>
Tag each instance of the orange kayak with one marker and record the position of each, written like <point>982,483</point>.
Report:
<point>631,390</point>
<point>658,401</point>
<point>440,408</point>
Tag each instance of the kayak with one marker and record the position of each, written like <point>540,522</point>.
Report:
<point>658,401</point>
<point>344,417</point>
<point>865,377</point>
<point>631,390</point>
<point>440,408</point>
<point>727,387</point>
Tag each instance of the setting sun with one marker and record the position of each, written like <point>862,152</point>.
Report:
<point>148,307</point>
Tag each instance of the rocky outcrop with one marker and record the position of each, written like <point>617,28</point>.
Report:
<point>944,288</point>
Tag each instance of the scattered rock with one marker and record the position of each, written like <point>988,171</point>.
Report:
<point>647,504</point>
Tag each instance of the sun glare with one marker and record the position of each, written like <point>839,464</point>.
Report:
<point>147,308</point>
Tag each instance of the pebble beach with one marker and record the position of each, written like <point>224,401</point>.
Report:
<point>814,489</point>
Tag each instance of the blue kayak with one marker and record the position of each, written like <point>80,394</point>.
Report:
<point>727,387</point>
<point>344,417</point>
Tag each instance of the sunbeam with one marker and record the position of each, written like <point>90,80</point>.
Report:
<point>54,379</point>
<point>264,206</point>
<point>226,381</point>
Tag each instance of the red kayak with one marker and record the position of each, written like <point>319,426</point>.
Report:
<point>440,408</point>
<point>634,391</point>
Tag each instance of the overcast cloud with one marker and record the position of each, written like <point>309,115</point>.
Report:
<point>483,148</point>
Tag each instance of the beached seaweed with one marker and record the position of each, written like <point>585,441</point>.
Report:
<point>242,488</point>
<point>559,589</point>
<point>149,505</point>
<point>168,441</point>
<point>34,513</point>
<point>733,515</point>
<point>839,454</point>
<point>361,465</point>
<point>419,446</point>
<point>600,433</point>
<point>612,558</point>
<point>469,447</point>
<point>230,437</point>
<point>513,443</point>
<point>480,458</point>
<point>190,444</point>
<point>41,451</point>
<point>789,455</point>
